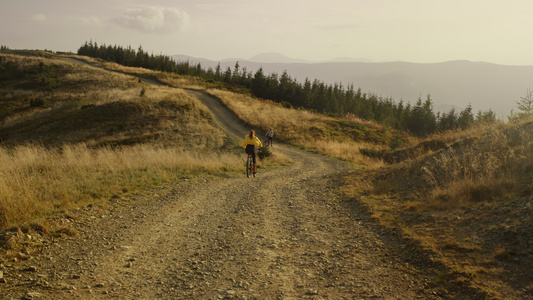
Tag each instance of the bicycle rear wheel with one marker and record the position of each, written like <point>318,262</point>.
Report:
<point>249,166</point>
<point>252,167</point>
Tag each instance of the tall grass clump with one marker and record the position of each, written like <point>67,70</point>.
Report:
<point>35,181</point>
<point>483,169</point>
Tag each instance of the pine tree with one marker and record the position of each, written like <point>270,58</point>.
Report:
<point>448,121</point>
<point>525,104</point>
<point>218,73</point>
<point>423,121</point>
<point>236,73</point>
<point>466,118</point>
<point>486,117</point>
<point>259,83</point>
<point>227,75</point>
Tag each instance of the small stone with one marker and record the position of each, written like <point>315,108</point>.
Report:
<point>31,269</point>
<point>312,292</point>
<point>32,295</point>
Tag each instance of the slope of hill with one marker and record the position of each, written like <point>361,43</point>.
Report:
<point>468,200</point>
<point>282,233</point>
<point>72,134</point>
<point>53,102</point>
<point>451,220</point>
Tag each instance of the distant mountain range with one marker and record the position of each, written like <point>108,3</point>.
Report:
<point>270,57</point>
<point>450,84</point>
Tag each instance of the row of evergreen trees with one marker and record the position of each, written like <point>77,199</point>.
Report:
<point>332,99</point>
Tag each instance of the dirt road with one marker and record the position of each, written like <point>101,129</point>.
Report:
<point>283,235</point>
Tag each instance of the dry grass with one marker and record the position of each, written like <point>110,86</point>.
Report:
<point>35,181</point>
<point>175,80</point>
<point>294,126</point>
<point>476,130</point>
<point>483,169</point>
<point>298,127</point>
<point>101,133</point>
<point>266,113</point>
<point>468,204</point>
<point>57,82</point>
<point>101,108</point>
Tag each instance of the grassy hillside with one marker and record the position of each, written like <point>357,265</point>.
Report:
<point>326,135</point>
<point>89,105</point>
<point>73,135</point>
<point>466,200</point>
<point>341,138</point>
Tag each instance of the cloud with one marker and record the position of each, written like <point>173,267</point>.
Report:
<point>38,17</point>
<point>92,21</point>
<point>154,19</point>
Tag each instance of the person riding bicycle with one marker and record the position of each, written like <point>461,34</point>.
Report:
<point>270,134</point>
<point>249,143</point>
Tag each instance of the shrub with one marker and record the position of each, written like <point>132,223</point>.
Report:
<point>373,153</point>
<point>37,102</point>
<point>395,142</point>
<point>265,153</point>
<point>286,104</point>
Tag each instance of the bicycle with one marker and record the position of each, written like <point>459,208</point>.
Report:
<point>249,165</point>
<point>268,142</point>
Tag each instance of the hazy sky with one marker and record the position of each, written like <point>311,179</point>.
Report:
<point>495,31</point>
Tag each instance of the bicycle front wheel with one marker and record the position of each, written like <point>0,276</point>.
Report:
<point>249,167</point>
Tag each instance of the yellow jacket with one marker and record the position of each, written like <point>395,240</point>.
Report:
<point>247,141</point>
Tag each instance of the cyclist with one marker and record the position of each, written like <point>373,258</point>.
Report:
<point>249,143</point>
<point>270,134</point>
